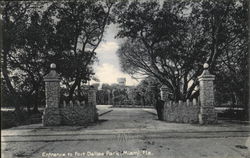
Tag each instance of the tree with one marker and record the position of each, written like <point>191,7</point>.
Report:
<point>32,58</point>
<point>79,30</point>
<point>248,104</point>
<point>20,57</point>
<point>226,27</point>
<point>156,45</point>
<point>146,92</point>
<point>172,42</point>
<point>36,34</point>
<point>27,36</point>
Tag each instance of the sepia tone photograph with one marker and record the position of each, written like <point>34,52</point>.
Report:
<point>125,79</point>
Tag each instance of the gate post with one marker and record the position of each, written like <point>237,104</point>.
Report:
<point>92,102</point>
<point>113,97</point>
<point>109,97</point>
<point>207,110</point>
<point>92,96</point>
<point>51,114</point>
<point>164,93</point>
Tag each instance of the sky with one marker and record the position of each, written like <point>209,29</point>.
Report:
<point>108,68</point>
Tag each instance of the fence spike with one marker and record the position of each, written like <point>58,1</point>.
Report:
<point>71,103</point>
<point>180,102</point>
<point>77,102</point>
<point>167,103</point>
<point>174,103</point>
<point>194,101</point>
<point>83,103</point>
<point>64,103</point>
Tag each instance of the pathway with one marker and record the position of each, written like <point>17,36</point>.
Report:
<point>128,132</point>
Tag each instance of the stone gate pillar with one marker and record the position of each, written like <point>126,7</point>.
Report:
<point>207,110</point>
<point>109,97</point>
<point>113,97</point>
<point>92,96</point>
<point>92,102</point>
<point>153,95</point>
<point>51,114</point>
<point>164,93</point>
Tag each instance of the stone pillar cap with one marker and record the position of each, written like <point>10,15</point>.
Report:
<point>53,66</point>
<point>206,66</point>
<point>52,75</point>
<point>164,87</point>
<point>206,73</point>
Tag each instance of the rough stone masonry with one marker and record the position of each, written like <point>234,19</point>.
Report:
<point>54,115</point>
<point>207,110</point>
<point>192,112</point>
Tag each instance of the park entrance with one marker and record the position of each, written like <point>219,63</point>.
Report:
<point>81,113</point>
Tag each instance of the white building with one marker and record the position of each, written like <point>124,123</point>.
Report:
<point>121,81</point>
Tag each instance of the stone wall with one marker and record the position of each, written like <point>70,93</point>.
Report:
<point>181,112</point>
<point>73,113</point>
<point>77,115</point>
<point>191,112</point>
<point>70,114</point>
<point>51,117</point>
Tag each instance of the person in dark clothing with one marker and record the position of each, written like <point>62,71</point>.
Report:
<point>159,108</point>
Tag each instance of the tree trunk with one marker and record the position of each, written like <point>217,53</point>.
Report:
<point>35,107</point>
<point>143,100</point>
<point>79,89</point>
<point>72,90</point>
<point>248,87</point>
<point>28,108</point>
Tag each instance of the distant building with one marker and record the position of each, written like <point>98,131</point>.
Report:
<point>121,81</point>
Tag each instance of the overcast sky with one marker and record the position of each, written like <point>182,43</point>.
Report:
<point>107,69</point>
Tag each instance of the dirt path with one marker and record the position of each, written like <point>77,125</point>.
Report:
<point>128,132</point>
